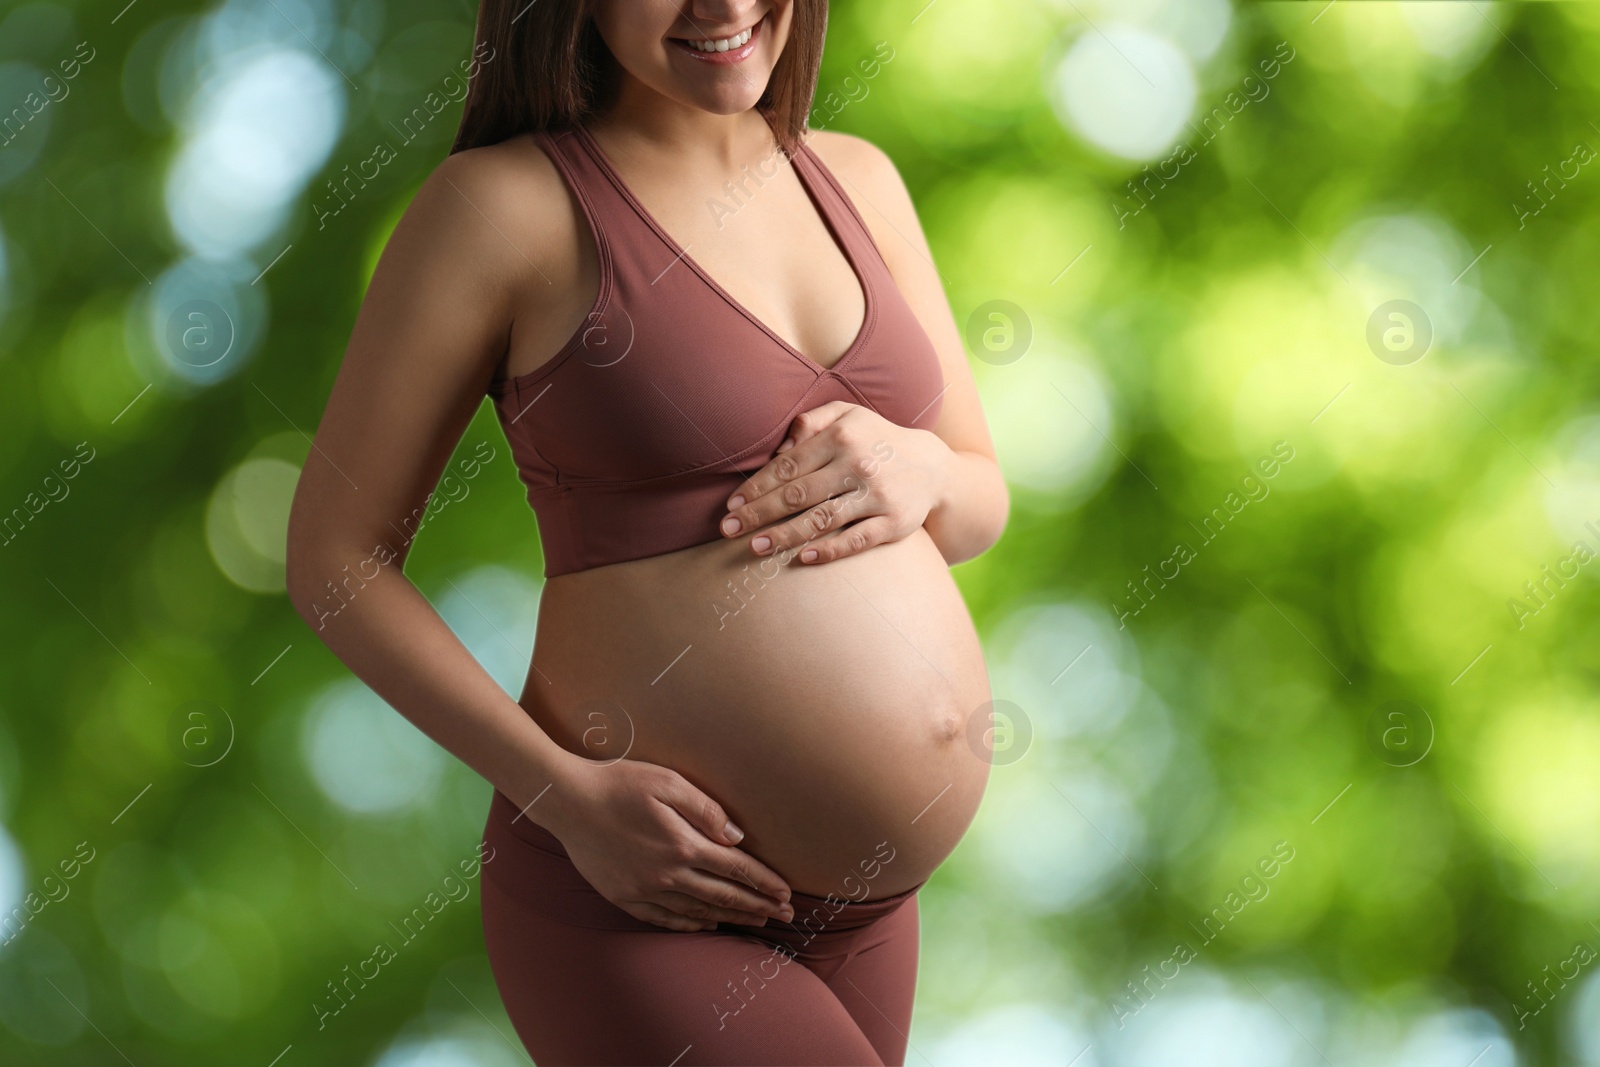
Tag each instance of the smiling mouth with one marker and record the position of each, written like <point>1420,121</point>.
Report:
<point>728,49</point>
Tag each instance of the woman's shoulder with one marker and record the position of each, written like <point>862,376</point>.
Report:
<point>513,186</point>
<point>873,183</point>
<point>847,146</point>
<point>854,158</point>
<point>503,206</point>
<point>864,170</point>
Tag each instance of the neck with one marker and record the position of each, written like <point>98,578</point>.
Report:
<point>642,121</point>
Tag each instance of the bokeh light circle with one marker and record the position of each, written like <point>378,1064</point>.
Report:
<point>365,756</point>
<point>1125,90</point>
<point>203,319</point>
<point>199,333</point>
<point>247,523</point>
<point>1051,418</point>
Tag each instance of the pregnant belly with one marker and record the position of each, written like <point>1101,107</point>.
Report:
<point>829,709</point>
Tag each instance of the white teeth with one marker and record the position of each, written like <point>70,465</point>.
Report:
<point>738,40</point>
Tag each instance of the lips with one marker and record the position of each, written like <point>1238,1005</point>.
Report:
<point>726,48</point>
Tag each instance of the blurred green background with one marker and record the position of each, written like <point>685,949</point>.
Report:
<point>1294,620</point>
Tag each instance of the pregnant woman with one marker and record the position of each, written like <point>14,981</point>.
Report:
<point>756,716</point>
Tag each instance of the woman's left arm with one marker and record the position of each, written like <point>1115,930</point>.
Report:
<point>859,479</point>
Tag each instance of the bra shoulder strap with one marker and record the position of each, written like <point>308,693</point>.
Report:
<point>582,177</point>
<point>841,211</point>
<point>635,250</point>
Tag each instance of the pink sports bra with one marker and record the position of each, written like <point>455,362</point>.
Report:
<point>633,436</point>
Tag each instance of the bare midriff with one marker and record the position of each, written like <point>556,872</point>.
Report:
<point>830,709</point>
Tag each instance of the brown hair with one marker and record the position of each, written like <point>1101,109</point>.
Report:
<point>545,66</point>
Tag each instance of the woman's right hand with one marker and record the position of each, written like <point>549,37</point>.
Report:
<point>662,850</point>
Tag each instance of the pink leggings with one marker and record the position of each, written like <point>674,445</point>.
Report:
<point>586,983</point>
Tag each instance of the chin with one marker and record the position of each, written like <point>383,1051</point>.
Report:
<point>725,96</point>
<point>731,107</point>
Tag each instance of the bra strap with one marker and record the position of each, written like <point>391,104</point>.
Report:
<point>841,210</point>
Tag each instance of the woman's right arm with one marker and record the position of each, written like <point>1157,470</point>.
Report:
<point>449,289</point>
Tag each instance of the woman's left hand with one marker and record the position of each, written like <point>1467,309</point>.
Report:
<point>860,480</point>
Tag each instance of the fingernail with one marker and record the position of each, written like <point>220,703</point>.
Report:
<point>733,832</point>
<point>786,913</point>
<point>736,502</point>
<point>762,543</point>
<point>730,525</point>
<point>808,555</point>
<point>788,443</point>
